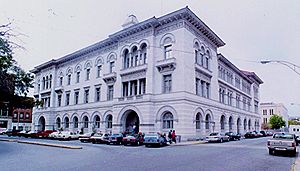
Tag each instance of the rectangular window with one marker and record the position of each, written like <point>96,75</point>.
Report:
<point>143,86</point>
<point>265,112</point>
<point>168,51</point>
<point>208,90</point>
<point>237,101</point>
<point>167,83</point>
<point>265,120</point>
<point>256,107</point>
<point>77,77</point>
<point>59,100</point>
<point>197,86</point>
<point>97,95</point>
<point>125,89</point>
<point>69,79</point>
<point>76,97</point>
<point>60,81</point>
<point>111,66</point>
<point>271,112</point>
<point>86,95</point>
<point>67,99</point>
<point>88,71</point>
<point>99,68</point>
<point>110,93</point>
<point>136,61</point>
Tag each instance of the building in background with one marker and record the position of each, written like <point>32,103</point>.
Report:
<point>22,119</point>
<point>5,115</point>
<point>157,75</point>
<point>270,109</point>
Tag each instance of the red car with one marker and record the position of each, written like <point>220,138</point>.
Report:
<point>136,139</point>
<point>44,134</point>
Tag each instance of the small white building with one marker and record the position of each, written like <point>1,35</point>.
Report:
<point>159,74</point>
<point>270,109</point>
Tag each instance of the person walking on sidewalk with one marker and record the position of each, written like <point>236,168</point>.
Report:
<point>170,136</point>
<point>174,136</point>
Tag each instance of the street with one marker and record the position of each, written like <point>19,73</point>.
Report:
<point>249,154</point>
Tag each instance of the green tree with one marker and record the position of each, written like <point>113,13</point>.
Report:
<point>276,122</point>
<point>292,122</point>
<point>13,79</point>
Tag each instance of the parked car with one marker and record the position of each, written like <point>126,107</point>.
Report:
<point>85,137</point>
<point>135,139</point>
<point>264,133</point>
<point>67,135</point>
<point>258,134</point>
<point>32,134</point>
<point>297,140</point>
<point>53,135</point>
<point>45,134</point>
<point>12,132</point>
<point>250,135</point>
<point>154,140</point>
<point>233,136</point>
<point>3,131</point>
<point>99,138</point>
<point>217,137</point>
<point>115,139</point>
<point>282,142</point>
<point>22,133</point>
<point>269,133</point>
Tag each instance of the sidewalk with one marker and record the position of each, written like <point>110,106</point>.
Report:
<point>186,143</point>
<point>41,143</point>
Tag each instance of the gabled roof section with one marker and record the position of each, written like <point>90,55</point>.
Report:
<point>184,13</point>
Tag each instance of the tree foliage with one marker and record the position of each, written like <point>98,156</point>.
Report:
<point>276,122</point>
<point>292,122</point>
<point>14,81</point>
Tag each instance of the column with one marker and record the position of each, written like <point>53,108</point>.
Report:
<point>138,87</point>
<point>129,89</point>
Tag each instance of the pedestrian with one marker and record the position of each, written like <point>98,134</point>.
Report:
<point>174,136</point>
<point>170,136</point>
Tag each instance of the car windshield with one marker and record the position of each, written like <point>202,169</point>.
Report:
<point>213,134</point>
<point>98,135</point>
<point>283,136</point>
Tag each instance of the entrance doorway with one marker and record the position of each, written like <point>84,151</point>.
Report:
<point>131,122</point>
<point>42,124</point>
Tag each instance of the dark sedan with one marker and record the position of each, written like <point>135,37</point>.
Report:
<point>251,135</point>
<point>115,139</point>
<point>136,139</point>
<point>233,136</point>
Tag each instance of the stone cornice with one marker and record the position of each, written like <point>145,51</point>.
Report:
<point>152,23</point>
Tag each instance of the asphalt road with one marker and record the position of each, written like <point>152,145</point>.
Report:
<point>244,155</point>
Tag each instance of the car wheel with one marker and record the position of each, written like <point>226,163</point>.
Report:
<point>221,140</point>
<point>293,153</point>
<point>271,152</point>
<point>161,144</point>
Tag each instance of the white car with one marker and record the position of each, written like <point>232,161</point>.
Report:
<point>2,131</point>
<point>66,135</point>
<point>53,135</point>
<point>217,137</point>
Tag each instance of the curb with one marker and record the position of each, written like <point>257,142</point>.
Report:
<point>190,143</point>
<point>43,144</point>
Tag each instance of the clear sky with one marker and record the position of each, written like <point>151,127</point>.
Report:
<point>252,30</point>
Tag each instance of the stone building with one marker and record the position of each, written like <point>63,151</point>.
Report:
<point>159,74</point>
<point>270,109</point>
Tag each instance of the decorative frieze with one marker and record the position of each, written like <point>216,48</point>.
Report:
<point>138,36</point>
<point>170,27</point>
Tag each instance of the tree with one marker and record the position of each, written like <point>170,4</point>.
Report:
<point>276,122</point>
<point>14,81</point>
<point>292,122</point>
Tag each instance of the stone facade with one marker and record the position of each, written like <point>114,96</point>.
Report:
<point>160,74</point>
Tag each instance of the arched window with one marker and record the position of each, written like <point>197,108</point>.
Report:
<point>222,122</point>
<point>245,124</point>
<point>126,58</point>
<point>134,57</point>
<point>77,76</point>
<point>85,122</point>
<point>143,55</point>
<point>47,83</point>
<point>75,122</point>
<point>109,121</point>
<point>168,121</point>
<point>249,125</point>
<point>207,121</point>
<point>230,123</point>
<point>67,122</point>
<point>198,121</point>
<point>58,123</point>
<point>97,121</point>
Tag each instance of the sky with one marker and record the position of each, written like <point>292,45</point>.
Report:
<point>253,30</point>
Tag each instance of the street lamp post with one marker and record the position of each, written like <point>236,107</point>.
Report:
<point>290,65</point>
